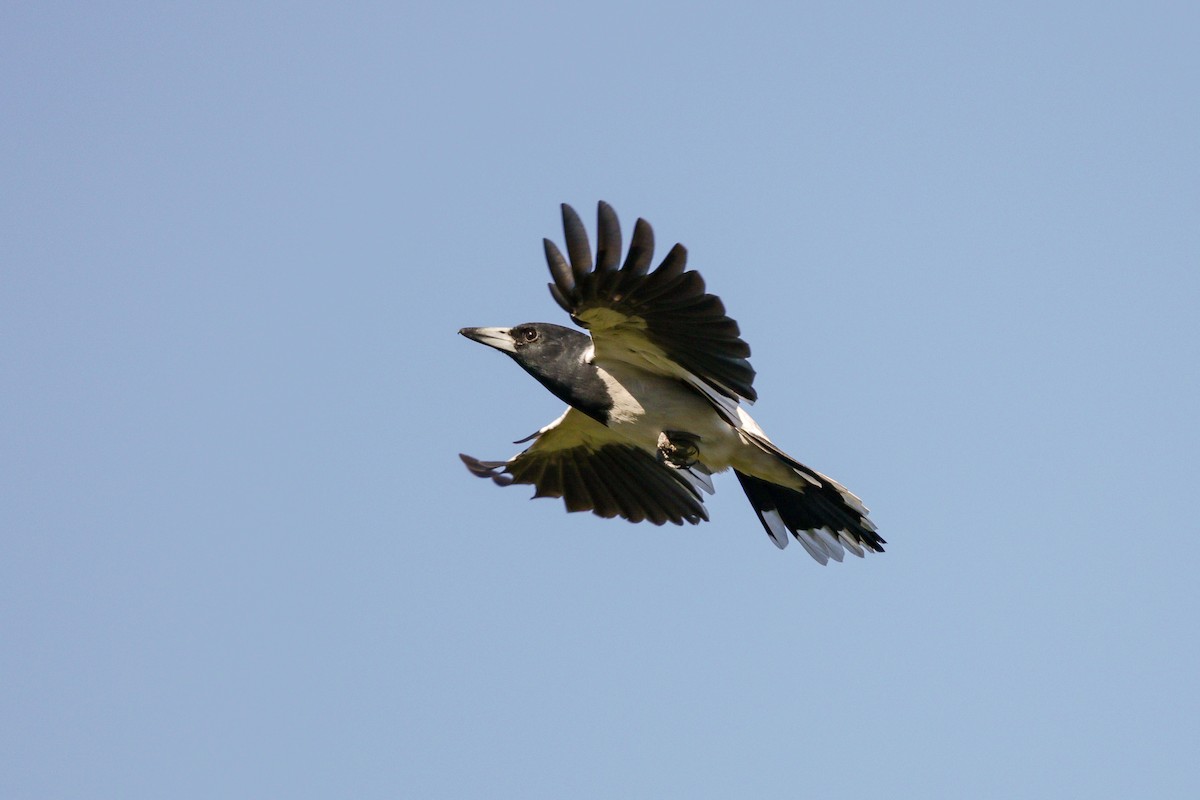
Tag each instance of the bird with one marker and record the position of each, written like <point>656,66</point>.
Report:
<point>655,395</point>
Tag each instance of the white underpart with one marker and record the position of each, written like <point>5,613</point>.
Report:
<point>626,408</point>
<point>728,407</point>
<point>645,404</point>
<point>623,338</point>
<point>649,354</point>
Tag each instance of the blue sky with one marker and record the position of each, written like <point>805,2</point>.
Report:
<point>239,555</point>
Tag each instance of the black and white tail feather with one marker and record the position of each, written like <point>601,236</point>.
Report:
<point>825,517</point>
<point>662,347</point>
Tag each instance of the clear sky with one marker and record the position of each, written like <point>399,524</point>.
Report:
<point>239,557</point>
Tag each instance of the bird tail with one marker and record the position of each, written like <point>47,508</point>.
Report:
<point>824,516</point>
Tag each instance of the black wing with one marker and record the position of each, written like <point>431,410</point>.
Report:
<point>579,460</point>
<point>660,320</point>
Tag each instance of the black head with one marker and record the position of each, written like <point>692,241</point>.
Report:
<point>532,343</point>
<point>558,357</point>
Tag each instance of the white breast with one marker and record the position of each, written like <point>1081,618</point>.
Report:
<point>645,405</point>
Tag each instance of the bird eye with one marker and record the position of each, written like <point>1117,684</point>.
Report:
<point>528,335</point>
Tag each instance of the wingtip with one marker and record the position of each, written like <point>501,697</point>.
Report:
<point>560,270</point>
<point>579,249</point>
<point>608,238</point>
<point>569,214</point>
<point>476,466</point>
<point>496,470</point>
<point>641,248</point>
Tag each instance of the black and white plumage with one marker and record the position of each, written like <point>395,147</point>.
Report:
<point>655,399</point>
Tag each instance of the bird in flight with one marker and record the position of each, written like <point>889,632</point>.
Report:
<point>654,401</point>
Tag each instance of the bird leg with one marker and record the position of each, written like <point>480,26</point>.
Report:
<point>678,449</point>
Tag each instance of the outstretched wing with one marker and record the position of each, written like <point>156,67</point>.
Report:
<point>661,320</point>
<point>579,460</point>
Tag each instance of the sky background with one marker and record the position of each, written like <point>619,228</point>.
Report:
<point>240,558</point>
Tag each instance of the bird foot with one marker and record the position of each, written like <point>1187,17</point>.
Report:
<point>678,449</point>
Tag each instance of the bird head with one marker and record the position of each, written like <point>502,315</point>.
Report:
<point>560,358</point>
<point>534,345</point>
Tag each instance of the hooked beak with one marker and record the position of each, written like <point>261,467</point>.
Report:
<point>499,338</point>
